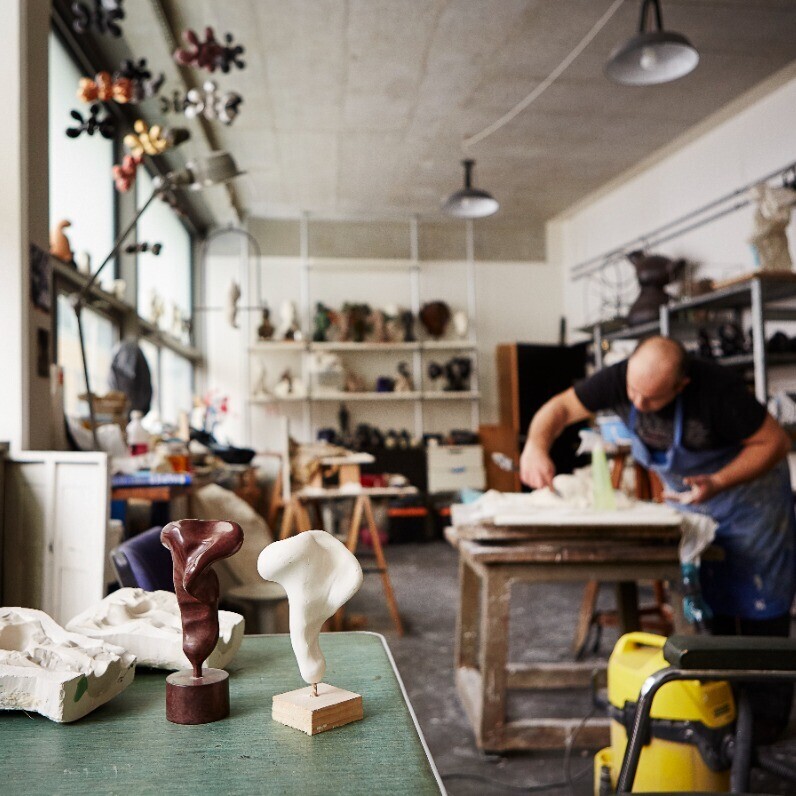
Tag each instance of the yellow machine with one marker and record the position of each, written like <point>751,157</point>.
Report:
<point>692,724</point>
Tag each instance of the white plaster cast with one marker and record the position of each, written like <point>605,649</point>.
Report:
<point>320,575</point>
<point>46,669</point>
<point>147,624</point>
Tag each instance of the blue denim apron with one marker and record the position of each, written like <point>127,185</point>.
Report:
<point>756,526</point>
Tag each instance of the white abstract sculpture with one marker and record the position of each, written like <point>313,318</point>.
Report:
<point>320,575</point>
<point>231,304</point>
<point>147,624</point>
<point>771,219</point>
<point>62,675</point>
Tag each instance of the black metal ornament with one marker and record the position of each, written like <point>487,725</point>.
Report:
<point>105,126</point>
<point>144,246</point>
<point>230,55</point>
<point>145,85</point>
<point>104,17</point>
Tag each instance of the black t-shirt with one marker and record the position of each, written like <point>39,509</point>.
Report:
<point>718,408</point>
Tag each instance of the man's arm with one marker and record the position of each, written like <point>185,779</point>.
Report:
<point>760,452</point>
<point>536,466</point>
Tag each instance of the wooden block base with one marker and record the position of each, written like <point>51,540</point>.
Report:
<point>333,707</point>
<point>197,700</point>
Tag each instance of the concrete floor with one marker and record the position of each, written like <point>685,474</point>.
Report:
<point>542,618</point>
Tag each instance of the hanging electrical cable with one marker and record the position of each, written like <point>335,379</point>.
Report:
<point>548,81</point>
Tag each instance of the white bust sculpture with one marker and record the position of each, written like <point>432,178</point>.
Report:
<point>62,675</point>
<point>320,575</point>
<point>771,219</point>
<point>147,624</point>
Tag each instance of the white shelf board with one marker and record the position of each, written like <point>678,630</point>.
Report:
<point>276,399</point>
<point>367,396</point>
<point>451,396</point>
<point>351,346</point>
<point>447,345</point>
<point>278,345</point>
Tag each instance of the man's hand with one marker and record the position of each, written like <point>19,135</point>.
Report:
<point>703,487</point>
<point>536,467</point>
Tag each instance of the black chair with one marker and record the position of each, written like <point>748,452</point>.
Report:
<point>143,562</point>
<point>733,658</point>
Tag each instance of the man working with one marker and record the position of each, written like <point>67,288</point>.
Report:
<point>700,429</point>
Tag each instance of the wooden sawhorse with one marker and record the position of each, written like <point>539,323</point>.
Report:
<point>296,518</point>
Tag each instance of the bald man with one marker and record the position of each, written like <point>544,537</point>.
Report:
<point>697,425</point>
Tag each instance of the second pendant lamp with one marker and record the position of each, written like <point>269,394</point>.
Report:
<point>470,202</point>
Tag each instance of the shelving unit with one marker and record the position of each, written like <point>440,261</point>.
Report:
<point>756,293</point>
<point>298,354</point>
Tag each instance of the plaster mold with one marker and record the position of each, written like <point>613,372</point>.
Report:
<point>147,624</point>
<point>48,670</point>
<point>320,575</point>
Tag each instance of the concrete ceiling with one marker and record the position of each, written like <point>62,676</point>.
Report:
<point>359,107</point>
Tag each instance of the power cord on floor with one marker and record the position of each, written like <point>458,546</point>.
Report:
<point>568,781</point>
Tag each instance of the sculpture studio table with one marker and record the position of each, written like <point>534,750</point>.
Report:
<point>128,747</point>
<point>491,559</point>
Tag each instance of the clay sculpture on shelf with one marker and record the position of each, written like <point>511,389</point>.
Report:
<point>653,272</point>
<point>769,236</point>
<point>320,575</point>
<point>198,696</point>
<point>59,243</point>
<point>147,624</point>
<point>265,331</point>
<point>435,317</point>
<point>48,670</point>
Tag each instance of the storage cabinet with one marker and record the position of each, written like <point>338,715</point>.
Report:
<point>454,467</point>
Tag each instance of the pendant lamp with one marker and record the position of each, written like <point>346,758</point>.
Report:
<point>651,57</point>
<point>470,202</point>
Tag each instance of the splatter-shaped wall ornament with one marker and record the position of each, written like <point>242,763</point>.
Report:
<point>100,15</point>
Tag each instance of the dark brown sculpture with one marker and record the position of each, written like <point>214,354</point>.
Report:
<point>653,272</point>
<point>197,696</point>
<point>435,316</point>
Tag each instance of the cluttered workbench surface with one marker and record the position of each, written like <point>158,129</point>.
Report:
<point>128,746</point>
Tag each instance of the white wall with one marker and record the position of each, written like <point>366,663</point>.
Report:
<point>516,301</point>
<point>725,154</point>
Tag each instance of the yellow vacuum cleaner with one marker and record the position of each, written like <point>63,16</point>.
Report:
<point>691,730</point>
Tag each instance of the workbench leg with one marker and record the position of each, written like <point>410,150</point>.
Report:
<point>627,606</point>
<point>494,633</point>
<point>588,606</point>
<point>303,517</point>
<point>382,562</point>
<point>466,653</point>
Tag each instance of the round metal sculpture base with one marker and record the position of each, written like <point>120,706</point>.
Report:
<point>197,700</point>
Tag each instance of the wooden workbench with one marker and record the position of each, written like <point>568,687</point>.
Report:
<point>128,747</point>
<point>490,562</point>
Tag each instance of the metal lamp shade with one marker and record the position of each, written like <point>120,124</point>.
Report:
<point>470,202</point>
<point>651,58</point>
<point>212,169</point>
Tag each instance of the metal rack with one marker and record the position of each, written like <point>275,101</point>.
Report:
<point>757,292</point>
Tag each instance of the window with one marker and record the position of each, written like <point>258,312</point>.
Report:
<point>81,182</point>
<point>176,393</point>
<point>169,273</point>
<point>100,336</point>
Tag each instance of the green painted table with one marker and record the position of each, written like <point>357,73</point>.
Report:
<point>127,746</point>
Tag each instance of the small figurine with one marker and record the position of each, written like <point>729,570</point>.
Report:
<point>322,322</point>
<point>320,575</point>
<point>198,696</point>
<point>260,386</point>
<point>156,307</point>
<point>772,216</point>
<point>434,371</point>
<point>265,331</point>
<point>288,385</point>
<point>358,315</point>
<point>457,373</point>
<point>288,323</point>
<point>461,324</point>
<point>404,382</point>
<point>435,316</point>
<point>59,243</point>
<point>352,382</point>
<point>407,320</point>
<point>378,326</point>
<point>231,305</point>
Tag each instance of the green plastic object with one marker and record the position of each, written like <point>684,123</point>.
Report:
<point>602,489</point>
